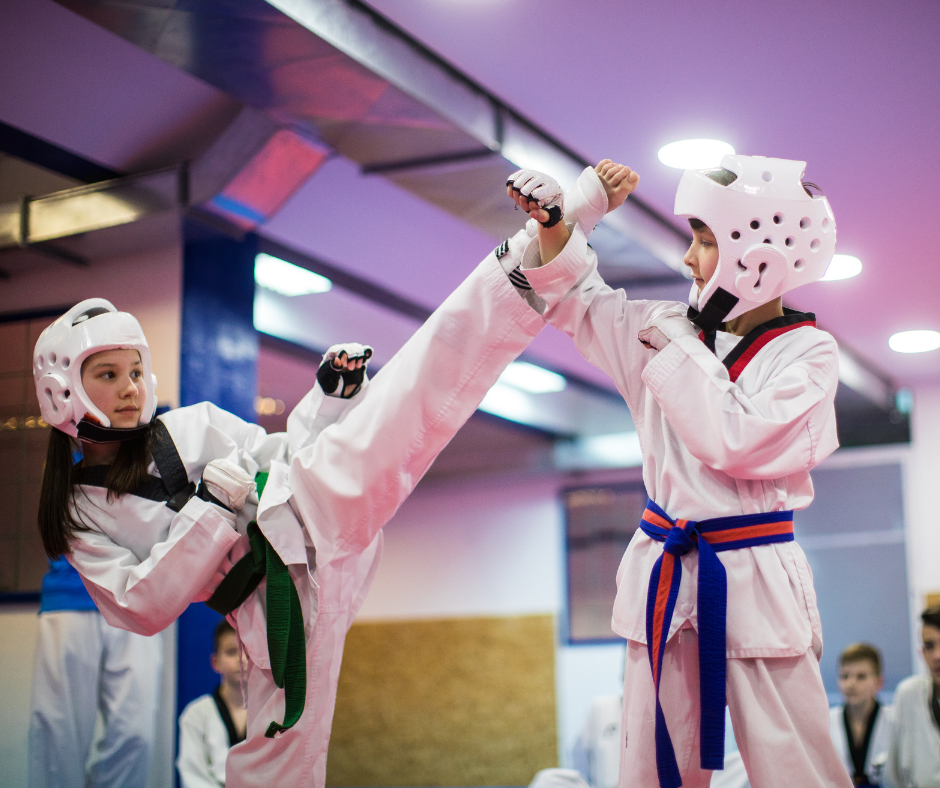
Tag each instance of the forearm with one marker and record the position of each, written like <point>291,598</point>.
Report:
<point>147,596</point>
<point>782,429</point>
<point>552,240</point>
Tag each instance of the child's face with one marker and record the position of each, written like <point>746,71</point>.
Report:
<point>225,660</point>
<point>931,637</point>
<point>859,682</point>
<point>702,256</point>
<point>112,380</point>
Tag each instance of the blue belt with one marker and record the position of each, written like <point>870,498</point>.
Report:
<point>710,537</point>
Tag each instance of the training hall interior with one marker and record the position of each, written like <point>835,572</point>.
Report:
<point>259,180</point>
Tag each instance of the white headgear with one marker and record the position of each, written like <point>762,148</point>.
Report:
<point>88,327</point>
<point>772,236</point>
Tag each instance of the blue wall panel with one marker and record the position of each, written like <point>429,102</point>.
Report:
<point>219,364</point>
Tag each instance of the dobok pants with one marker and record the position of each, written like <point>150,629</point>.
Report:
<point>778,708</point>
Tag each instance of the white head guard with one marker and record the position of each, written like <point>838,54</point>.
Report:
<point>772,236</point>
<point>88,327</point>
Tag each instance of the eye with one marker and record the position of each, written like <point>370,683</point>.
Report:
<point>136,374</point>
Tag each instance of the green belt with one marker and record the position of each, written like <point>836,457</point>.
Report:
<point>286,642</point>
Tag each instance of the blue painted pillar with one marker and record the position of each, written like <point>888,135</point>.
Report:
<point>219,364</point>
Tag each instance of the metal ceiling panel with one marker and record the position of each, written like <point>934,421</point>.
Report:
<point>339,72</point>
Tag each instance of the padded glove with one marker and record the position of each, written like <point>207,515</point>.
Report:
<point>540,188</point>
<point>336,380</point>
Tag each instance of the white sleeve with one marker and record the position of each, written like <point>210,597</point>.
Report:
<point>147,596</point>
<point>314,413</point>
<point>349,483</point>
<point>603,322</point>
<point>194,758</point>
<point>784,428</point>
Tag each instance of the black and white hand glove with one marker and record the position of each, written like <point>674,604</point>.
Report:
<point>544,190</point>
<point>660,330</point>
<point>225,483</point>
<point>343,369</point>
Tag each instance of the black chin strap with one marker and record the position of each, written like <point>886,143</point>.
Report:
<point>96,433</point>
<point>715,311</point>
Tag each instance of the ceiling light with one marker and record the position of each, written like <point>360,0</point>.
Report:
<point>286,278</point>
<point>915,341</point>
<point>843,266</point>
<point>694,154</point>
<point>531,378</point>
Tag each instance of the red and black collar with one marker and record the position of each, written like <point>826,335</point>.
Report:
<point>756,338</point>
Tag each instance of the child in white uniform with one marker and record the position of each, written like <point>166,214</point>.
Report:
<point>732,413</point>
<point>914,755</point>
<point>212,724</point>
<point>146,545</point>
<point>862,728</point>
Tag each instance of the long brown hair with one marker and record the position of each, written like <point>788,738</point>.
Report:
<point>58,522</point>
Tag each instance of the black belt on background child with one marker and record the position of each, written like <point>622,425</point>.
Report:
<point>286,640</point>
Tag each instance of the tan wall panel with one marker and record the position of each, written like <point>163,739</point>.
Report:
<point>453,702</point>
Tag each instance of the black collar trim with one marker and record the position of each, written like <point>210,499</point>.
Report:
<point>756,338</point>
<point>97,433</point>
<point>233,736</point>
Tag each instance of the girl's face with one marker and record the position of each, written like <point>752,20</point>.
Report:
<point>702,256</point>
<point>112,380</point>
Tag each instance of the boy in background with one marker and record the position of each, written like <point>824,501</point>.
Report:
<point>861,729</point>
<point>914,756</point>
<point>212,724</point>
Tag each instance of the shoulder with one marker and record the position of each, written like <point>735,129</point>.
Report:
<point>912,688</point>
<point>197,709</point>
<point>835,713</point>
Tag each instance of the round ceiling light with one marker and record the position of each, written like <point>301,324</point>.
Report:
<point>843,266</point>
<point>694,154</point>
<point>915,341</point>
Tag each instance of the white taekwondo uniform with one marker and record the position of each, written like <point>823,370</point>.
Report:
<point>143,563</point>
<point>713,448</point>
<point>877,756</point>
<point>914,755</point>
<point>597,752</point>
<point>84,666</point>
<point>204,744</point>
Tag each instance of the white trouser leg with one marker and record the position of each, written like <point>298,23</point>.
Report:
<point>130,688</point>
<point>679,696</point>
<point>297,757</point>
<point>64,698</point>
<point>781,722</point>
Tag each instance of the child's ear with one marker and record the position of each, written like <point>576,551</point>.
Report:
<point>214,662</point>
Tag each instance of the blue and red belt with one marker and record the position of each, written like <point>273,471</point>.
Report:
<point>709,537</point>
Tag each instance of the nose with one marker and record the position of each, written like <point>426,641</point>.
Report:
<point>689,258</point>
<point>129,390</point>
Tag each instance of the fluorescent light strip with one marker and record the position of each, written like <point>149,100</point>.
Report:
<point>532,378</point>
<point>914,341</point>
<point>286,278</point>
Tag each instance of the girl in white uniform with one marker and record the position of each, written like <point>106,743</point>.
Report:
<point>335,478</point>
<point>732,413</point>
